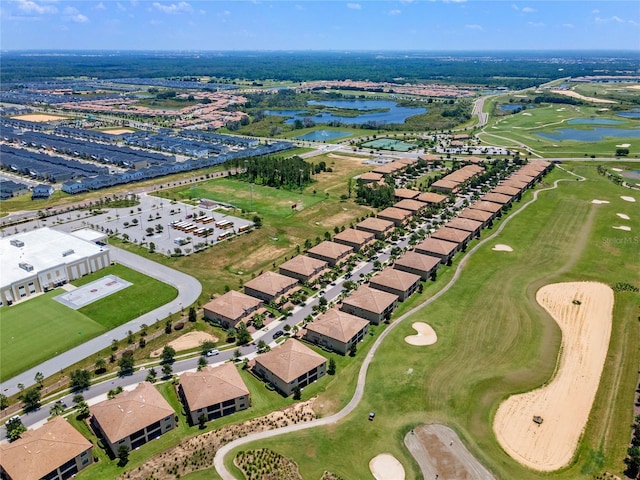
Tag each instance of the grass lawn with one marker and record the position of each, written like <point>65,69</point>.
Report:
<point>494,341</point>
<point>54,328</point>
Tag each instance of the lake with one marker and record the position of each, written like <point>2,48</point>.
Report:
<point>592,121</point>
<point>510,107</point>
<point>633,113</point>
<point>594,135</point>
<point>323,135</point>
<point>393,113</point>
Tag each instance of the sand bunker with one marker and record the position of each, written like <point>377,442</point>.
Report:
<point>187,341</point>
<point>623,227</point>
<point>583,310</point>
<point>628,199</point>
<point>426,335</point>
<point>118,131</point>
<point>502,248</point>
<point>439,451</point>
<point>573,94</point>
<point>623,216</point>
<point>617,169</point>
<point>386,467</point>
<point>39,117</point>
<point>599,202</point>
<point>622,145</point>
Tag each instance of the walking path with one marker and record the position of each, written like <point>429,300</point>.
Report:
<point>189,290</point>
<point>218,460</point>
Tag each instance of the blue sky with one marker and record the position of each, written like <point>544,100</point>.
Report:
<point>319,25</point>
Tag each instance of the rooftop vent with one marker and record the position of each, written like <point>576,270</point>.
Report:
<point>26,266</point>
<point>66,253</point>
<point>17,243</point>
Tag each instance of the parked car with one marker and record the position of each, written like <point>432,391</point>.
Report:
<point>278,334</point>
<point>213,352</point>
<point>372,415</point>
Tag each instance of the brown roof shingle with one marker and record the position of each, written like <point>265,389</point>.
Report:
<point>42,450</point>
<point>337,324</point>
<point>465,224</point>
<point>451,235</point>
<point>375,224</point>
<point>370,299</point>
<point>271,283</point>
<point>395,213</point>
<point>486,206</point>
<point>418,261</point>
<point>290,360</point>
<point>406,193</point>
<point>358,237</point>
<point>212,385</point>
<point>439,247</point>
<point>411,205</point>
<point>430,197</point>
<point>497,198</point>
<point>304,265</point>
<point>232,304</point>
<point>330,250</point>
<point>473,214</point>
<point>395,279</point>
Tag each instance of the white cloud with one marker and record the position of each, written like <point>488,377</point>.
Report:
<point>515,7</point>
<point>595,12</point>
<point>528,10</point>
<point>395,12</point>
<point>568,25</point>
<point>473,26</point>
<point>73,14</point>
<point>633,22</point>
<point>174,8</point>
<point>610,19</point>
<point>79,18</point>
<point>100,6</point>
<point>121,7</point>
<point>536,24</point>
<point>354,6</point>
<point>32,7</point>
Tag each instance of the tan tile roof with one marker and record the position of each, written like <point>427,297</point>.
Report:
<point>450,235</point>
<point>441,247</point>
<point>42,450</point>
<point>352,235</point>
<point>232,304</point>
<point>445,184</point>
<point>430,197</point>
<point>473,214</point>
<point>465,224</point>
<point>370,299</point>
<point>521,177</point>
<point>505,190</point>
<point>290,360</point>
<point>411,205</point>
<point>396,279</point>
<point>331,250</point>
<point>418,261</point>
<point>407,161</point>
<point>406,193</point>
<point>429,158</point>
<point>486,206</point>
<point>475,160</point>
<point>337,324</point>
<point>388,168</point>
<point>129,412</point>
<point>271,283</point>
<point>497,198</point>
<point>514,183</point>
<point>376,224</point>
<point>304,265</point>
<point>396,213</point>
<point>371,177</point>
<point>212,385</point>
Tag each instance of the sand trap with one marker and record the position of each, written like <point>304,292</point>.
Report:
<point>386,467</point>
<point>623,227</point>
<point>628,199</point>
<point>565,402</point>
<point>622,145</point>
<point>526,114</point>
<point>573,94</point>
<point>599,202</point>
<point>39,117</point>
<point>623,216</point>
<point>617,170</point>
<point>502,248</point>
<point>187,341</point>
<point>118,131</point>
<point>426,335</point>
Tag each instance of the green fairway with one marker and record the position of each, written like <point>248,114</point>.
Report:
<point>40,328</point>
<point>494,340</point>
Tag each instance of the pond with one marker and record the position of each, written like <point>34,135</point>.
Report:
<point>593,121</point>
<point>323,135</point>
<point>633,113</point>
<point>593,135</point>
<point>392,114</point>
<point>510,107</point>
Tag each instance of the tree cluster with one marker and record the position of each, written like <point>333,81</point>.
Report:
<point>374,195</point>
<point>272,171</point>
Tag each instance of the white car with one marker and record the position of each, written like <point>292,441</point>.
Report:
<point>213,352</point>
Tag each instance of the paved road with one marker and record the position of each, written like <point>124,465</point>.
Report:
<point>218,460</point>
<point>189,290</point>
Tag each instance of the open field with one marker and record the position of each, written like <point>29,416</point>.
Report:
<point>39,117</point>
<point>54,328</point>
<point>583,312</point>
<point>494,340</point>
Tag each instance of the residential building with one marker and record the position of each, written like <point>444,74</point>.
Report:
<point>497,198</point>
<point>371,177</point>
<point>465,224</point>
<point>303,268</point>
<point>331,252</point>
<point>452,235</point>
<point>405,194</point>
<point>379,227</point>
<point>398,282</point>
<point>414,206</point>
<point>446,186</point>
<point>396,215</point>
<point>477,215</point>
<point>214,392</point>
<point>42,191</point>
<point>336,330</point>
<point>371,304</point>
<point>389,168</point>
<point>270,286</point>
<point>354,238</point>
<point>54,451</point>
<point>437,248</point>
<point>505,190</point>
<point>493,208</point>
<point>418,264</point>
<point>231,308</point>
<point>132,418</point>
<point>290,365</point>
<point>430,197</point>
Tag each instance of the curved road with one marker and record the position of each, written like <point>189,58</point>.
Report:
<point>218,460</point>
<point>189,290</point>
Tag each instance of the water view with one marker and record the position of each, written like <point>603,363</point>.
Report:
<point>323,135</point>
<point>633,113</point>
<point>510,107</point>
<point>594,135</point>
<point>593,121</point>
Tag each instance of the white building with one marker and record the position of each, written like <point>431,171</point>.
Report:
<point>40,260</point>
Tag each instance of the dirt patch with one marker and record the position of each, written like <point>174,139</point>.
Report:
<point>265,464</point>
<point>541,428</point>
<point>345,157</point>
<point>628,199</point>
<point>624,145</point>
<point>261,256</point>
<point>187,341</point>
<point>569,93</point>
<point>623,216</point>
<point>623,227</point>
<point>599,202</point>
<point>426,335</point>
<point>386,467</point>
<point>502,248</point>
<point>118,131</point>
<point>39,117</point>
<point>197,453</point>
<point>441,454</point>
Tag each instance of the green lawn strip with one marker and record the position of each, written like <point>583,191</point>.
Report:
<point>494,341</point>
<point>38,329</point>
<point>144,295</point>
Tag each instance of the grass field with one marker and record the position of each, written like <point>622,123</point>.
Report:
<point>494,340</point>
<point>54,328</point>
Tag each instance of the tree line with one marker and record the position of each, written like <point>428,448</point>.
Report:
<point>274,171</point>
